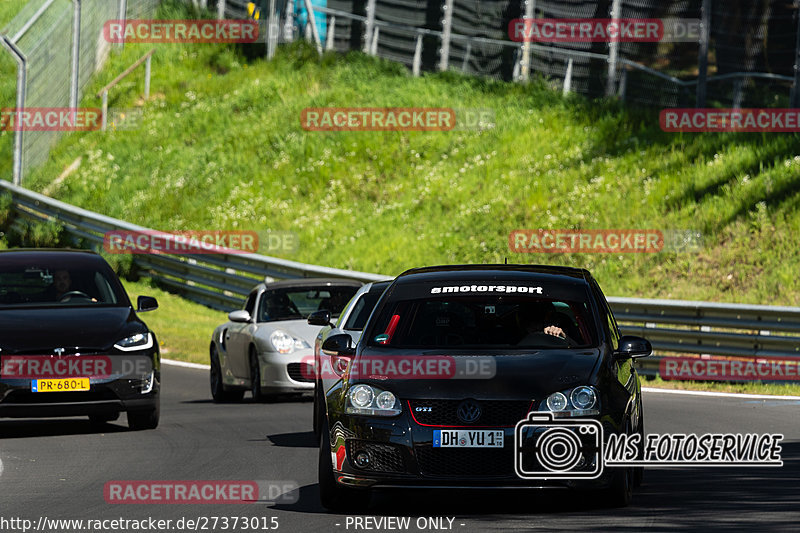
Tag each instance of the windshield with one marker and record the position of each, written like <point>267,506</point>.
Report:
<point>37,283</point>
<point>485,322</point>
<point>362,309</point>
<point>298,303</point>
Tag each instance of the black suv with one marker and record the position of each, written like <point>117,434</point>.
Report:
<point>71,343</point>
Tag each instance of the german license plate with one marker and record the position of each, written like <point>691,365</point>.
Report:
<point>467,438</point>
<point>59,385</point>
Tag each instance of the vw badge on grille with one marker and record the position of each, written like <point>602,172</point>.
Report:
<point>468,411</point>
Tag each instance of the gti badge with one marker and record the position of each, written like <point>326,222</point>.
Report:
<point>468,411</point>
<point>424,409</point>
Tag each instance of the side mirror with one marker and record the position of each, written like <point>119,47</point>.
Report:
<point>338,346</point>
<point>239,316</point>
<point>146,303</point>
<point>632,348</point>
<point>320,318</point>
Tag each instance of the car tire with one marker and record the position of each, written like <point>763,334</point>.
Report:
<point>333,496</point>
<point>638,472</point>
<point>319,409</point>
<point>139,420</point>
<point>99,420</point>
<point>218,392</point>
<point>255,377</point>
<point>620,493</point>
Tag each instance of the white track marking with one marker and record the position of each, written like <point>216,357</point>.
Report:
<point>722,394</point>
<point>184,364</point>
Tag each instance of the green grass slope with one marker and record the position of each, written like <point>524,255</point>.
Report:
<point>221,146</point>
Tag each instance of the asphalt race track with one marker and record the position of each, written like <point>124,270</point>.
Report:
<point>58,468</point>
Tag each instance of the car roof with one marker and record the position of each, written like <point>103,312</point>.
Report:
<point>379,285</point>
<point>498,272</point>
<point>57,256</point>
<point>313,282</point>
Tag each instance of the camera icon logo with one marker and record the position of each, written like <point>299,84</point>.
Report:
<point>549,448</point>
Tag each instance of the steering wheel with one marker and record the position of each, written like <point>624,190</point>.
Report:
<point>68,296</point>
<point>544,340</point>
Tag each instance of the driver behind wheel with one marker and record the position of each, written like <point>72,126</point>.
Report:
<point>542,317</point>
<point>62,282</point>
<point>64,291</point>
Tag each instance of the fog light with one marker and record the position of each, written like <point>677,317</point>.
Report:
<point>362,459</point>
<point>147,383</point>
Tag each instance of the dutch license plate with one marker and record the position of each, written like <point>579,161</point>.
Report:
<point>467,438</point>
<point>59,385</point>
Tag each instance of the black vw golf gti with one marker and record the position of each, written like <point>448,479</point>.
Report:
<point>71,344</point>
<point>485,376</point>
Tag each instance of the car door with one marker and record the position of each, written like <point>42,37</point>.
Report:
<point>237,339</point>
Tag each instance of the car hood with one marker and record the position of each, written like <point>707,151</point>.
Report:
<point>518,376</point>
<point>296,328</point>
<point>40,330</point>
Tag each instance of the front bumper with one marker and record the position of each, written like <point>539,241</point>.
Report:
<point>106,396</point>
<point>402,455</point>
<point>283,373</point>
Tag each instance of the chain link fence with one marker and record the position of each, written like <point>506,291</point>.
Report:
<point>752,48</point>
<point>57,46</point>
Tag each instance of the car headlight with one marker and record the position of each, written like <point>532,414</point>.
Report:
<point>580,401</point>
<point>285,343</point>
<point>140,341</point>
<point>367,400</point>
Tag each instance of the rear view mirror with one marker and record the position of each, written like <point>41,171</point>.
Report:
<point>241,316</point>
<point>320,318</point>
<point>632,348</point>
<point>146,303</point>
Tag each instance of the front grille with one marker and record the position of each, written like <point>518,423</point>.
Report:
<point>298,373</point>
<point>465,462</point>
<point>494,413</point>
<point>382,457</point>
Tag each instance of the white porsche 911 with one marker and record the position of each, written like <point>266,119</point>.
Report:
<point>263,345</point>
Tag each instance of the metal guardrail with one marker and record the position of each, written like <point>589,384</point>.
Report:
<point>221,281</point>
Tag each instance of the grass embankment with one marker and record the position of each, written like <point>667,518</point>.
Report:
<point>221,146</point>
